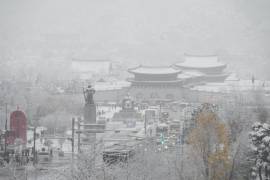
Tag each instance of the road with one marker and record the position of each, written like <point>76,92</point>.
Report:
<point>46,170</point>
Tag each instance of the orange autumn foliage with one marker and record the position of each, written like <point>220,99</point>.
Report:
<point>209,140</point>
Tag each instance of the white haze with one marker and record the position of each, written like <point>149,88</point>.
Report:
<point>138,31</point>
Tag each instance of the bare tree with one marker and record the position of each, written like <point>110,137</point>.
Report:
<point>261,110</point>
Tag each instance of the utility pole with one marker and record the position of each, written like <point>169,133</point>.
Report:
<point>145,124</point>
<point>34,148</point>
<point>159,114</point>
<point>182,145</point>
<point>72,138</point>
<point>72,144</point>
<point>79,135</point>
<point>6,133</point>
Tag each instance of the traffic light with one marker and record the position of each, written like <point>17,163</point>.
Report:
<point>161,138</point>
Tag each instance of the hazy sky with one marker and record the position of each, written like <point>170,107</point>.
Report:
<point>142,30</point>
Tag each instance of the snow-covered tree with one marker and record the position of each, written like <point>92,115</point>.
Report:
<point>260,144</point>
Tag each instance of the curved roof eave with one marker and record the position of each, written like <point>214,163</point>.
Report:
<point>154,70</point>
<point>201,62</point>
<point>181,65</point>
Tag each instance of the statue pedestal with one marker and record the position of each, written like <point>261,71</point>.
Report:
<point>90,118</point>
<point>90,114</point>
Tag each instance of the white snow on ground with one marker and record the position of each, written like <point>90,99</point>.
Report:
<point>230,86</point>
<point>112,85</point>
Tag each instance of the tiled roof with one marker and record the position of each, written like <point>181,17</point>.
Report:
<point>201,62</point>
<point>154,70</point>
<point>190,74</point>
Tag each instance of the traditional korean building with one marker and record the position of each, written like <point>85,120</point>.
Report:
<point>209,68</point>
<point>155,83</point>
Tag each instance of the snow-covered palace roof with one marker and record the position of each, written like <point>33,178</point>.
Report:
<point>152,70</point>
<point>195,61</point>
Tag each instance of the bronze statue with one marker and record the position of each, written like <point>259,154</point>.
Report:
<point>89,95</point>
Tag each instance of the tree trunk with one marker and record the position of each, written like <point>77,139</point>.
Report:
<point>266,172</point>
<point>260,173</point>
<point>207,173</point>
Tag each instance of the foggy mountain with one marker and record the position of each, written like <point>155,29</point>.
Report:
<point>138,31</point>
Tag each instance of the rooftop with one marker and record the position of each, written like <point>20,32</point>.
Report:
<point>195,61</point>
<point>190,74</point>
<point>230,86</point>
<point>154,81</point>
<point>154,70</point>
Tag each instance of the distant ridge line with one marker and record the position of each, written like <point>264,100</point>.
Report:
<point>91,60</point>
<point>205,55</point>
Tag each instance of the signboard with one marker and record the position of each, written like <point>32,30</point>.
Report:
<point>18,126</point>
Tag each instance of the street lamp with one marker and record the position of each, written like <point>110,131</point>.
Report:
<point>34,146</point>
<point>34,139</point>
<point>6,133</point>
